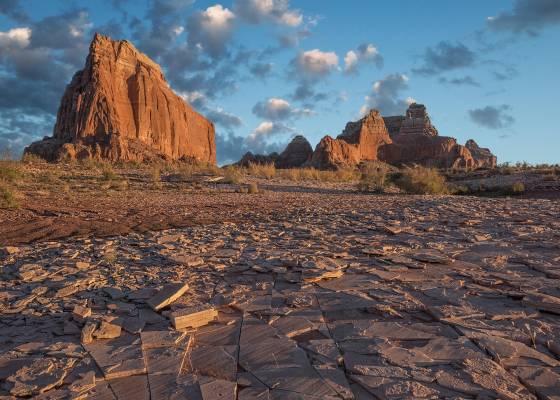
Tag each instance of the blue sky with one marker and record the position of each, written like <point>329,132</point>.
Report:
<point>265,70</point>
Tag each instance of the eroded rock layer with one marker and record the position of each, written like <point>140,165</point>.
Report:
<point>358,142</point>
<point>416,141</point>
<point>120,108</point>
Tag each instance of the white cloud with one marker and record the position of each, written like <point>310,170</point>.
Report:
<point>19,37</point>
<point>276,109</point>
<point>365,53</point>
<point>217,19</point>
<point>211,29</point>
<point>178,30</point>
<point>317,62</point>
<point>277,11</point>
<point>350,61</point>
<point>386,96</point>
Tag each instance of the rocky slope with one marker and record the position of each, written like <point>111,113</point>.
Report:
<point>120,108</point>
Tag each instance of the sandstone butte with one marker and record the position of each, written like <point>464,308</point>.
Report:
<point>398,140</point>
<point>121,108</point>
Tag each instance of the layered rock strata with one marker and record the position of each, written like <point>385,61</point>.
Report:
<point>121,108</point>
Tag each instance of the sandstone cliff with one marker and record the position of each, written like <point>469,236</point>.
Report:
<point>416,141</point>
<point>120,108</point>
<point>358,142</point>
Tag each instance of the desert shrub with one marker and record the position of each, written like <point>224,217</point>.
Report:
<point>266,171</point>
<point>312,174</point>
<point>421,180</point>
<point>107,173</point>
<point>292,174</point>
<point>373,178</point>
<point>252,188</point>
<point>29,158</point>
<point>7,197</point>
<point>10,172</point>
<point>517,188</point>
<point>232,174</point>
<point>155,175</point>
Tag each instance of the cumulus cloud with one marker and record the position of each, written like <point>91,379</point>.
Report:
<point>385,96</point>
<point>527,16</point>
<point>276,11</point>
<point>278,109</point>
<point>492,117</point>
<point>16,37</point>
<point>211,29</point>
<point>316,63</point>
<point>364,53</point>
<point>462,81</point>
<point>444,57</point>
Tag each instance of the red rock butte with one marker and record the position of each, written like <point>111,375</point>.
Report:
<point>121,108</point>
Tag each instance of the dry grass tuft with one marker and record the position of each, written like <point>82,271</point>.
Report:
<point>7,197</point>
<point>265,171</point>
<point>232,174</point>
<point>422,180</point>
<point>252,188</point>
<point>373,178</point>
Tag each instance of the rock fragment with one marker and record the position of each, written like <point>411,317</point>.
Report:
<point>167,295</point>
<point>193,317</point>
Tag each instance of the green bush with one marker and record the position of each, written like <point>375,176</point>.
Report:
<point>421,180</point>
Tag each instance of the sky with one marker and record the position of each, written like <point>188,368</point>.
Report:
<point>267,70</point>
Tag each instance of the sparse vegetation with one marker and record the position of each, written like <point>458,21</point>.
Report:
<point>265,171</point>
<point>373,178</point>
<point>252,188</point>
<point>155,176</point>
<point>232,174</point>
<point>108,174</point>
<point>7,197</point>
<point>421,180</point>
<point>517,188</point>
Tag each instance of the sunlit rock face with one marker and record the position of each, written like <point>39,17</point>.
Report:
<point>121,108</point>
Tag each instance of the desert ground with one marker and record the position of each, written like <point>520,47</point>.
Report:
<point>121,284</point>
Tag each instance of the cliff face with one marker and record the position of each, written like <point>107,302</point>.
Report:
<point>416,141</point>
<point>358,142</point>
<point>120,107</point>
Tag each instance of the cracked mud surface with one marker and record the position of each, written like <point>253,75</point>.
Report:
<point>294,296</point>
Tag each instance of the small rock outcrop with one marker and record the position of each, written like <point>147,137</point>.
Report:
<point>259,159</point>
<point>483,156</point>
<point>297,153</point>
<point>416,141</point>
<point>358,142</point>
<point>120,108</point>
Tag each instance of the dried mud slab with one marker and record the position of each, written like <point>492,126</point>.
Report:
<point>328,296</point>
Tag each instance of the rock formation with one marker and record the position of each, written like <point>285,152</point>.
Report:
<point>358,142</point>
<point>295,155</point>
<point>259,159</point>
<point>483,156</point>
<point>416,141</point>
<point>120,108</point>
